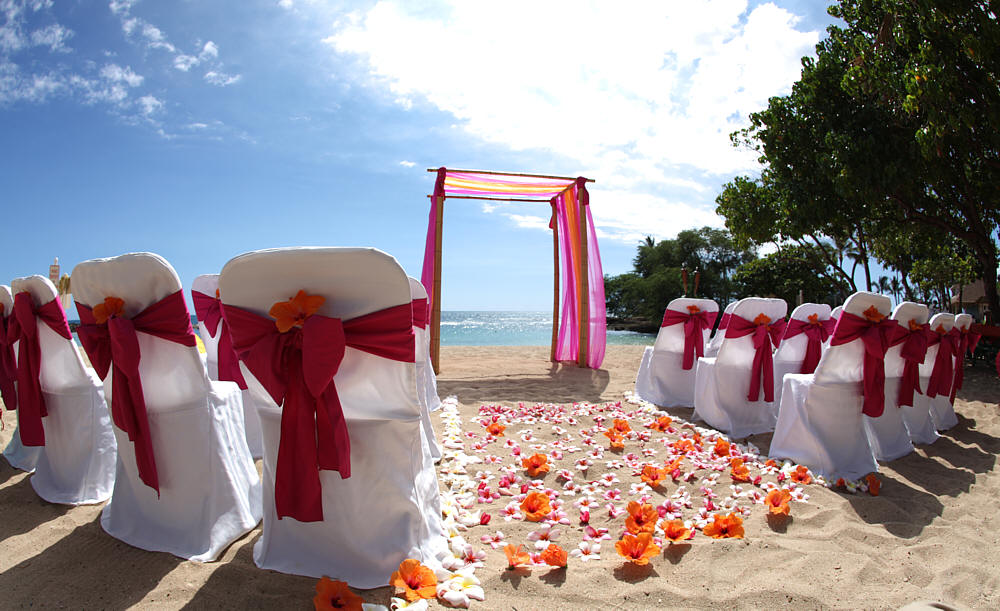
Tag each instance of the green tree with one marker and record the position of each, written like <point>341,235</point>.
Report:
<point>783,274</point>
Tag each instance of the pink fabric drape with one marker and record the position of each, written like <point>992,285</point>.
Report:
<point>208,309</point>
<point>876,337</point>
<point>914,339</point>
<point>695,324</point>
<point>766,337</point>
<point>115,345</point>
<point>420,312</point>
<point>8,368</point>
<point>816,332</point>
<point>427,274</point>
<point>22,326</point>
<point>943,372</point>
<point>297,369</point>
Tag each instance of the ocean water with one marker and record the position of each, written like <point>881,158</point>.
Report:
<point>513,328</point>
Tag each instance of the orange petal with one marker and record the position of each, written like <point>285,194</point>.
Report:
<point>762,319</point>
<point>332,594</point>
<point>694,309</point>
<point>813,319</point>
<point>554,555</point>
<point>873,315</point>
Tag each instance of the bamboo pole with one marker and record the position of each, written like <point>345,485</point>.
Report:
<point>494,173</point>
<point>436,309</point>
<point>583,284</point>
<point>555,284</point>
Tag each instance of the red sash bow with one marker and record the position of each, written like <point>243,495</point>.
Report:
<point>208,309</point>
<point>962,347</point>
<point>765,338</point>
<point>913,352</point>
<point>876,337</point>
<point>817,333</point>
<point>943,373</point>
<point>694,327</point>
<point>22,326</point>
<point>115,345</point>
<point>297,368</point>
<point>8,368</point>
<point>420,313</point>
<point>724,321</point>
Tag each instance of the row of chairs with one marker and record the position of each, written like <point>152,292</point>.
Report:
<point>346,387</point>
<point>839,388</point>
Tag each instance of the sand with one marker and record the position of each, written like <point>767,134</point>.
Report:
<point>929,535</point>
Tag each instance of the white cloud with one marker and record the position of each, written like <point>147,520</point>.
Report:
<point>117,74</point>
<point>52,36</point>
<point>407,164</point>
<point>150,104</point>
<point>642,96</point>
<point>221,78</point>
<point>209,51</point>
<point>185,62</point>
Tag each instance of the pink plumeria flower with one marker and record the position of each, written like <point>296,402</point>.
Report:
<point>608,479</point>
<point>543,536</point>
<point>495,540</point>
<point>564,474</point>
<point>595,534</point>
<point>512,511</point>
<point>583,464</point>
<point>587,550</point>
<point>614,511</point>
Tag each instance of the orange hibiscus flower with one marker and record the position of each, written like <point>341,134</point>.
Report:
<point>536,464</point>
<point>496,429</point>
<point>332,594</point>
<point>914,325</point>
<point>814,319</point>
<point>641,518</point>
<point>721,447</point>
<point>112,306</point>
<point>725,527</point>
<point>662,424</point>
<point>295,311</point>
<point>801,475</point>
<point>516,556</point>
<point>693,309</point>
<point>874,484</point>
<point>617,441</point>
<point>739,472</point>
<point>536,506</point>
<point>762,319</point>
<point>416,580</point>
<point>770,463</point>
<point>675,531</point>
<point>683,445</point>
<point>653,476</point>
<point>554,556</point>
<point>637,549</point>
<point>621,426</point>
<point>777,501</point>
<point>873,315</point>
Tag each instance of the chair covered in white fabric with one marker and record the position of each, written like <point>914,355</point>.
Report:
<point>17,454</point>
<point>426,380</point>
<point>963,326</point>
<point>820,420</point>
<point>725,394</point>
<point>76,464</point>
<point>662,378</point>
<point>207,285</point>
<point>790,356</point>
<point>912,317</point>
<point>939,367</point>
<point>385,511</point>
<point>209,492</point>
<point>888,434</point>
<point>712,349</point>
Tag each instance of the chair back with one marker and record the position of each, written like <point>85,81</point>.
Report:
<point>6,300</point>
<point>942,320</point>
<point>741,350</point>
<point>671,338</point>
<point>835,313</point>
<point>904,314</point>
<point>963,321</point>
<point>793,349</point>
<point>713,345</point>
<point>844,363</point>
<point>172,374</point>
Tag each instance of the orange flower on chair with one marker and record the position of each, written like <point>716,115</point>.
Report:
<point>641,518</point>
<point>914,325</point>
<point>554,556</point>
<point>536,464</point>
<point>675,531</point>
<point>536,506</point>
<point>637,549</point>
<point>762,319</point>
<point>332,594</point>
<point>873,315</point>
<point>777,501</point>
<point>295,311</point>
<point>693,309</point>
<point>653,476</point>
<point>814,319</point>
<point>801,475</point>
<point>112,306</point>
<point>416,580</point>
<point>725,527</point>
<point>516,556</point>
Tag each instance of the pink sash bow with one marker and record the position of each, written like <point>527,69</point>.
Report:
<point>876,337</point>
<point>115,345</point>
<point>22,326</point>
<point>765,338</point>
<point>297,368</point>
<point>694,328</point>
<point>943,373</point>
<point>724,322</point>
<point>8,368</point>
<point>420,313</point>
<point>964,343</point>
<point>208,309</point>
<point>817,333</point>
<point>913,352</point>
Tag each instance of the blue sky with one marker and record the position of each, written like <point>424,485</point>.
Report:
<point>201,130</point>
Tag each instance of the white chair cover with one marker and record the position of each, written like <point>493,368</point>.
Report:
<point>17,454</point>
<point>76,466</point>
<point>888,434</point>
<point>207,284</point>
<point>835,315</point>
<point>386,511</point>
<point>942,411</point>
<point>791,352</point>
<point>712,349</point>
<point>917,417</point>
<point>820,423</point>
<point>723,382</point>
<point>661,379</point>
<point>426,382</point>
<point>210,492</point>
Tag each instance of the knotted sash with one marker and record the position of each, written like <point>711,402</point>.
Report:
<point>22,326</point>
<point>695,324</point>
<point>114,345</point>
<point>876,337</point>
<point>914,339</point>
<point>724,322</point>
<point>765,338</point>
<point>208,309</point>
<point>420,313</point>
<point>816,333</point>
<point>297,367</point>
<point>943,373</point>
<point>8,368</point>
<point>964,337</point>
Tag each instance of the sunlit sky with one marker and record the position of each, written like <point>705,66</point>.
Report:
<point>203,129</point>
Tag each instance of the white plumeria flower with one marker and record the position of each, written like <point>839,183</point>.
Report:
<point>543,536</point>
<point>461,589</point>
<point>401,603</point>
<point>587,550</point>
<point>495,540</point>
